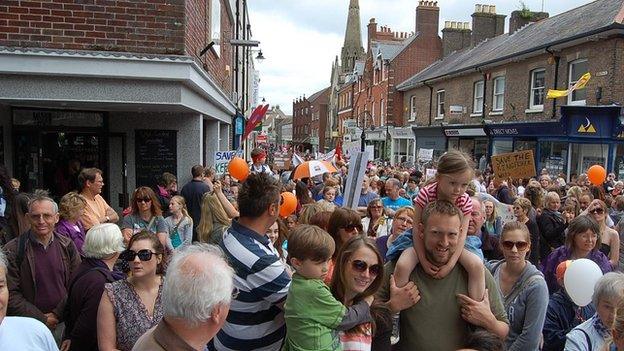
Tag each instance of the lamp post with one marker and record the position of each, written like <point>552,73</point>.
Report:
<point>363,127</point>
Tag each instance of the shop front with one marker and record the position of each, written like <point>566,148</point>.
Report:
<point>470,139</point>
<point>431,138</point>
<point>584,136</point>
<point>403,145</point>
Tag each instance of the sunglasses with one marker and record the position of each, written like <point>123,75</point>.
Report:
<point>144,255</point>
<point>144,199</point>
<point>597,211</point>
<point>361,266</point>
<point>520,245</point>
<point>352,227</point>
<point>376,207</point>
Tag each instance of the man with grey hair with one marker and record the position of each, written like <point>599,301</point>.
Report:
<point>192,318</point>
<point>41,264</point>
<point>393,201</point>
<point>20,333</point>
<point>489,243</point>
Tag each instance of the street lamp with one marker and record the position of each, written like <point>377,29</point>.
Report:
<point>363,127</point>
<point>387,148</point>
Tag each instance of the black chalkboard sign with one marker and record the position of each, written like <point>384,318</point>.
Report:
<point>155,153</point>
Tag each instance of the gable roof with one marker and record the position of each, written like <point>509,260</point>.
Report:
<point>387,50</point>
<point>317,94</point>
<point>592,18</point>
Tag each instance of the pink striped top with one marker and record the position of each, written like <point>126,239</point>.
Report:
<point>360,341</point>
<point>430,193</point>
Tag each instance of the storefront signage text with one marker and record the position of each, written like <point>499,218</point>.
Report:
<point>464,132</point>
<point>504,131</point>
<point>519,164</point>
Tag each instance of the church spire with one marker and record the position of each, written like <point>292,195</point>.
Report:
<point>352,49</point>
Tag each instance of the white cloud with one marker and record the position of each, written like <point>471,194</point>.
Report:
<point>300,38</point>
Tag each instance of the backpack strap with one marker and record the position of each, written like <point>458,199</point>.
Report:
<point>587,339</point>
<point>528,282</point>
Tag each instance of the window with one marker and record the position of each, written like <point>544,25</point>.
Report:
<point>477,102</point>
<point>440,104</point>
<point>498,94</point>
<point>575,71</point>
<point>412,116</point>
<point>373,112</point>
<point>215,25</point>
<point>382,112</point>
<point>538,83</point>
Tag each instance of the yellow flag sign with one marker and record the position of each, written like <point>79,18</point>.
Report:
<point>580,84</point>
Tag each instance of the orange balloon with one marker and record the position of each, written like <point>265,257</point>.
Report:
<point>596,174</point>
<point>238,169</point>
<point>288,205</point>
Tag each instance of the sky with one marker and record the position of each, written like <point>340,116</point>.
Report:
<point>301,38</point>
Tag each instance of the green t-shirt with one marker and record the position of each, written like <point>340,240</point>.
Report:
<point>435,322</point>
<point>312,314</point>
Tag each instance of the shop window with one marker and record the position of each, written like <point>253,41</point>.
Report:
<point>501,146</point>
<point>480,152</point>
<point>554,157</point>
<point>440,104</point>
<point>586,155</point>
<point>522,145</point>
<point>618,162</point>
<point>412,116</point>
<point>538,84</point>
<point>477,102</point>
<point>575,71</point>
<point>498,94</point>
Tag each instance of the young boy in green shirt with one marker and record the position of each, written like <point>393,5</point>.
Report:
<point>313,316</point>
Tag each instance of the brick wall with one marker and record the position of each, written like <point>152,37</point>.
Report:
<point>144,26</point>
<point>604,59</point>
<point>301,118</point>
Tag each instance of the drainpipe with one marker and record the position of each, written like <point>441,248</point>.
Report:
<point>554,101</point>
<point>484,94</point>
<point>430,101</point>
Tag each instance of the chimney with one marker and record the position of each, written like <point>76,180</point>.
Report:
<point>455,36</point>
<point>372,33</point>
<point>427,18</point>
<point>486,23</point>
<point>521,18</point>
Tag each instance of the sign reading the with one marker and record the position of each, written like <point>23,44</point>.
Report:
<point>519,164</point>
<point>222,159</point>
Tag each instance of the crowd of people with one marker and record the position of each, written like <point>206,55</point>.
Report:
<point>432,264</point>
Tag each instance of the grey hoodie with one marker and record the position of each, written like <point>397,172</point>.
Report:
<point>527,311</point>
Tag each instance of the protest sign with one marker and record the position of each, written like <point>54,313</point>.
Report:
<point>221,160</point>
<point>355,177</point>
<point>425,154</point>
<point>519,164</point>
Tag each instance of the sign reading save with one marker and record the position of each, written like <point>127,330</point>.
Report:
<point>519,164</point>
<point>221,160</point>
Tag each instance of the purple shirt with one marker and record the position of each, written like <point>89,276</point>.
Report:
<point>66,228</point>
<point>49,275</point>
<point>562,253</point>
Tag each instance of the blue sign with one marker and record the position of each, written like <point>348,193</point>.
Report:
<point>592,121</point>
<point>525,129</point>
<point>238,124</point>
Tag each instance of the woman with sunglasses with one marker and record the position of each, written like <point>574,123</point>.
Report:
<point>523,288</point>
<point>131,306</point>
<point>358,275</point>
<point>581,241</point>
<point>609,238</point>
<point>146,215</point>
<point>376,224</point>
<point>343,224</point>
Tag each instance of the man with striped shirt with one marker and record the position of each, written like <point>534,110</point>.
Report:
<point>256,317</point>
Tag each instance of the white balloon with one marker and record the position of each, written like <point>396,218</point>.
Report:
<point>579,280</point>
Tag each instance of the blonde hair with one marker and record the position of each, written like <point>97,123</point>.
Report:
<point>211,212</point>
<point>179,199</point>
<point>492,217</point>
<point>70,203</point>
<point>455,161</point>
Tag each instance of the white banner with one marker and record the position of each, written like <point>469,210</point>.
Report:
<point>425,154</point>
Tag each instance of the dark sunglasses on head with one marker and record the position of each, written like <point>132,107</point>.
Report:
<point>520,245</point>
<point>144,199</point>
<point>144,255</point>
<point>361,266</point>
<point>597,210</point>
<point>351,227</point>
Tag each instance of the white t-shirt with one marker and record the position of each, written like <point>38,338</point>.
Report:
<point>26,334</point>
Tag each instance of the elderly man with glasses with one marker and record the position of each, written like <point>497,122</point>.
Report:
<point>40,266</point>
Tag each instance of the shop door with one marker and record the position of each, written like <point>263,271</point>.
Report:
<point>26,160</point>
<point>118,171</point>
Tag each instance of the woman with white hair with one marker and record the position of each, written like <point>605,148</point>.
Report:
<point>594,332</point>
<point>102,246</point>
<point>20,333</point>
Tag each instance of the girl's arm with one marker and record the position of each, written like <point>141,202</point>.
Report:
<point>446,269</point>
<point>107,333</point>
<point>227,205</point>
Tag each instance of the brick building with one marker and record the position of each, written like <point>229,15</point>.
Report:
<point>488,95</point>
<point>309,121</point>
<point>369,96</point>
<point>134,88</point>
